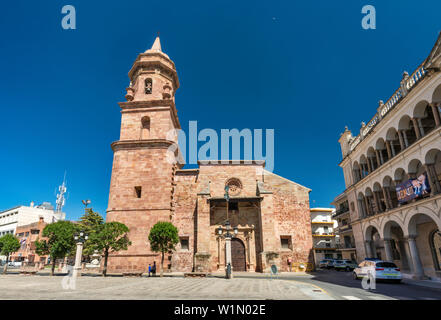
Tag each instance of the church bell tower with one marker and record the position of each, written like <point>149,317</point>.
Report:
<point>142,182</point>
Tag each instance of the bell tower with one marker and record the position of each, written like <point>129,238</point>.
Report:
<point>142,182</point>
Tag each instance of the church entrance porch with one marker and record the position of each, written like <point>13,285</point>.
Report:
<point>243,214</point>
<point>238,259</point>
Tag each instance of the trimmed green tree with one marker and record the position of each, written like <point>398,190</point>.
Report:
<point>60,241</point>
<point>8,244</point>
<point>163,237</point>
<point>110,237</point>
<point>90,223</point>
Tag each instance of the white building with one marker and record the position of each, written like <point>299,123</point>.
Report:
<point>22,215</point>
<point>392,171</point>
<point>323,235</point>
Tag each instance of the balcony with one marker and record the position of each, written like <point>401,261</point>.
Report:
<point>341,211</point>
<point>346,246</point>
<point>324,247</point>
<point>345,228</point>
<point>323,222</point>
<point>323,234</point>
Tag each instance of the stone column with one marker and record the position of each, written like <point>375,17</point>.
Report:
<point>389,152</point>
<point>269,243</point>
<point>416,128</point>
<point>406,141</point>
<point>388,249</point>
<point>414,255</point>
<point>202,255</point>
<point>389,198</point>
<point>368,246</point>
<point>400,138</point>
<point>369,165</point>
<point>433,180</point>
<point>377,208</point>
<point>377,154</point>
<point>392,149</point>
<point>228,252</point>
<point>386,200</point>
<point>360,206</point>
<point>435,112</point>
<point>366,203</point>
<point>420,123</point>
<point>78,255</point>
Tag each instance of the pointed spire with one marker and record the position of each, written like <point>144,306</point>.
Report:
<point>157,44</point>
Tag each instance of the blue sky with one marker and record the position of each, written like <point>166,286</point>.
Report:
<point>305,68</point>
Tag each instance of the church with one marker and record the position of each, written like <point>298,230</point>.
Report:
<point>269,214</point>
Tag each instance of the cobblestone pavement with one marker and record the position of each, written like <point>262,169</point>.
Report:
<point>46,287</point>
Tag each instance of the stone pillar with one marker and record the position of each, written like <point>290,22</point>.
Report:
<point>202,255</point>
<point>360,206</point>
<point>406,141</point>
<point>435,112</point>
<point>377,154</point>
<point>366,203</point>
<point>433,179</point>
<point>420,123</point>
<point>376,208</point>
<point>269,243</point>
<point>368,246</point>
<point>392,149</point>
<point>78,256</point>
<point>381,156</point>
<point>386,199</point>
<point>416,128</point>
<point>228,253</point>
<point>400,138</point>
<point>389,152</point>
<point>388,250</point>
<point>369,165</point>
<point>415,257</point>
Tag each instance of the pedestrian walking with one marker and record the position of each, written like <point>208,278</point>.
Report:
<point>150,269</point>
<point>154,268</point>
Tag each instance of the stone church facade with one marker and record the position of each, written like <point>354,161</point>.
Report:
<point>271,213</point>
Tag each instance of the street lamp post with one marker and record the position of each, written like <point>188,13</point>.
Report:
<point>80,238</point>
<point>228,236</point>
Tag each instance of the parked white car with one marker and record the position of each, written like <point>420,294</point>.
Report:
<point>381,270</point>
<point>14,264</point>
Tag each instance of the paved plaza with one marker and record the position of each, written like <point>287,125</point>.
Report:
<point>14,286</point>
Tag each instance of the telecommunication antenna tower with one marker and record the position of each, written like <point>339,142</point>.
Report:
<point>60,196</point>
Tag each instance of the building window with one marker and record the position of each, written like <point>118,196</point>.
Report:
<point>138,190</point>
<point>285,242</point>
<point>148,86</point>
<point>184,243</point>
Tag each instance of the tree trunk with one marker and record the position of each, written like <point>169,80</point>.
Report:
<point>106,255</point>
<point>54,261</point>
<point>6,264</point>
<point>162,264</point>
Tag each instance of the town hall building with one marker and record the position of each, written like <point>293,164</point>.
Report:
<point>269,214</point>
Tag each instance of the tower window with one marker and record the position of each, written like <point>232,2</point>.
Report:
<point>148,85</point>
<point>184,243</point>
<point>285,242</point>
<point>138,191</point>
<point>145,127</point>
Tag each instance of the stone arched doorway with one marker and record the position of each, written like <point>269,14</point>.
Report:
<point>238,258</point>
